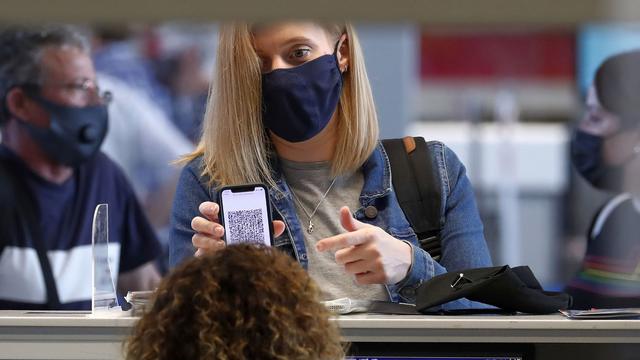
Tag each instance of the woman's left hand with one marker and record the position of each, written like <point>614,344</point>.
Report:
<point>368,252</point>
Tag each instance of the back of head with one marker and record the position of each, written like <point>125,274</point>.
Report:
<point>20,54</point>
<point>617,84</point>
<point>244,302</point>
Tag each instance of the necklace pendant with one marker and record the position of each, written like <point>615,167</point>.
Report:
<point>310,228</point>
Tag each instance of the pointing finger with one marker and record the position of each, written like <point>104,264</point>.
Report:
<point>342,241</point>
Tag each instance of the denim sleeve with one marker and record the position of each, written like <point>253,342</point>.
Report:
<point>462,238</point>
<point>190,193</point>
<point>463,243</point>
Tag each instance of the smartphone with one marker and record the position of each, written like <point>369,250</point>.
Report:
<point>246,214</point>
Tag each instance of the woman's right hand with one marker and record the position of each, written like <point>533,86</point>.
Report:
<point>209,232</point>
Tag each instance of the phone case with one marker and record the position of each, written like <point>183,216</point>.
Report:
<point>246,188</point>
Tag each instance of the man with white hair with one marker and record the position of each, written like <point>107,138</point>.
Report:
<point>53,120</point>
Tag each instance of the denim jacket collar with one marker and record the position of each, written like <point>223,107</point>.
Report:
<point>376,186</point>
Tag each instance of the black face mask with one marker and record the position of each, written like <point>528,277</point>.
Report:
<point>298,103</point>
<point>586,155</point>
<point>74,135</point>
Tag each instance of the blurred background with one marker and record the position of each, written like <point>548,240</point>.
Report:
<point>501,83</point>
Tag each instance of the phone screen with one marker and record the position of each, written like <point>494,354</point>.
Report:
<point>246,216</point>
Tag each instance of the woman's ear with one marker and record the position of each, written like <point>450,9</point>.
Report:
<point>343,53</point>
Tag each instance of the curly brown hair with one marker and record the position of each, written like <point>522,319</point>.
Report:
<point>244,302</point>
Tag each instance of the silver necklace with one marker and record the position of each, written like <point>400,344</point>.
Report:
<point>310,216</point>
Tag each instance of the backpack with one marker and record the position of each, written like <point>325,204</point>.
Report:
<point>417,186</point>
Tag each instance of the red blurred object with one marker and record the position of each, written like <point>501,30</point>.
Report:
<point>540,55</point>
<point>151,44</point>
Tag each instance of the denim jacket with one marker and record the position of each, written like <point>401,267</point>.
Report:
<point>463,243</point>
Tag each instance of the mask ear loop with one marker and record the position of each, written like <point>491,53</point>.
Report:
<point>335,53</point>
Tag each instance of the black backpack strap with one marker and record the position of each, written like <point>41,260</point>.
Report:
<point>417,187</point>
<point>53,301</point>
<point>19,205</point>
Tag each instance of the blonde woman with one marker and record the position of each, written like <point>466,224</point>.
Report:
<point>291,107</point>
<point>244,302</point>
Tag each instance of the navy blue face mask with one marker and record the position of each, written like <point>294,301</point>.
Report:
<point>297,103</point>
<point>74,135</point>
<point>586,155</point>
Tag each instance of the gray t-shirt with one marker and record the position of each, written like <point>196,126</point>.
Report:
<point>309,182</point>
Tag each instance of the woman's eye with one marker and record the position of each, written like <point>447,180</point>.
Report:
<point>300,53</point>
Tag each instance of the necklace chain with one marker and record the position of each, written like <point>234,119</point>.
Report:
<point>310,216</point>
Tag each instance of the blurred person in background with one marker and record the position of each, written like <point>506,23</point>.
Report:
<point>244,302</point>
<point>144,142</point>
<point>144,136</point>
<point>53,120</point>
<point>171,79</point>
<point>605,151</point>
<point>121,52</point>
<point>184,55</point>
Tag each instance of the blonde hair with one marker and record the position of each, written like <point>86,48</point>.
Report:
<point>234,144</point>
<point>243,302</point>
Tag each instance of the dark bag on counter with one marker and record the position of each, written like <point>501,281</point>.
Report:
<point>510,289</point>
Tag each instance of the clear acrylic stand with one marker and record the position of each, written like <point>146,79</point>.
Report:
<point>104,301</point>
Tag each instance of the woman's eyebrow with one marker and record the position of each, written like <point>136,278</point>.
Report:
<point>289,42</point>
<point>297,40</point>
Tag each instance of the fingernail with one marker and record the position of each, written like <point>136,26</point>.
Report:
<point>219,231</point>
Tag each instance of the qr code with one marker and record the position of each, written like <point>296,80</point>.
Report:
<point>245,226</point>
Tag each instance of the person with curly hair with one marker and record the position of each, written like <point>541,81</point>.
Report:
<point>243,302</point>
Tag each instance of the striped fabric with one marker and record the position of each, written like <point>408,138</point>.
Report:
<point>610,273</point>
